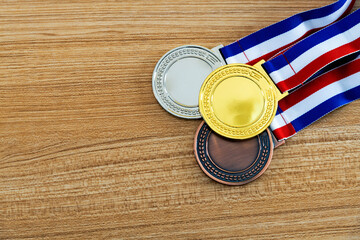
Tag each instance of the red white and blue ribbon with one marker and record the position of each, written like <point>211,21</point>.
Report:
<point>328,60</point>
<point>318,97</point>
<point>296,65</point>
<point>268,41</point>
<point>335,51</point>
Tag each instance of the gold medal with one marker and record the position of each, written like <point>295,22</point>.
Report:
<point>239,101</point>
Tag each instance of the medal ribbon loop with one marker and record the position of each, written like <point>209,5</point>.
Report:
<point>320,96</point>
<point>296,65</point>
<point>268,41</point>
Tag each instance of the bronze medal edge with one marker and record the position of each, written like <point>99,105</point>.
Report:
<point>258,167</point>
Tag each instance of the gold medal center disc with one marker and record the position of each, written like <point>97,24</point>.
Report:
<point>238,101</point>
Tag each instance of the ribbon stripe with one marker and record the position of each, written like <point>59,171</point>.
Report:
<point>317,64</point>
<point>317,98</point>
<point>268,41</point>
<point>304,59</point>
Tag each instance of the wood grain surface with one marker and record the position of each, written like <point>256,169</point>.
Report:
<point>86,152</point>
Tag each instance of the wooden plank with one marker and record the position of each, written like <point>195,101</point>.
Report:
<point>87,152</point>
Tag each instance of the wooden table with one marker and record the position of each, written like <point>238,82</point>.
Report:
<point>87,152</point>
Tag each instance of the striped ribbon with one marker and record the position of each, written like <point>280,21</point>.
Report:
<point>268,41</point>
<point>294,66</point>
<point>328,59</point>
<point>323,94</point>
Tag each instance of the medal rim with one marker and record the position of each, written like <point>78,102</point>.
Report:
<point>226,130</point>
<point>158,84</point>
<point>259,174</point>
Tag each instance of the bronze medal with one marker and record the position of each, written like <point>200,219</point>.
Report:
<point>231,161</point>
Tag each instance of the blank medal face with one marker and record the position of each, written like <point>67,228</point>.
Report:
<point>238,101</point>
<point>227,154</point>
<point>184,78</point>
<point>178,77</point>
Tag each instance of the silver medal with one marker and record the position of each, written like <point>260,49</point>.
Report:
<point>178,77</point>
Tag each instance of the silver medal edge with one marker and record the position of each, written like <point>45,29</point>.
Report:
<point>163,99</point>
